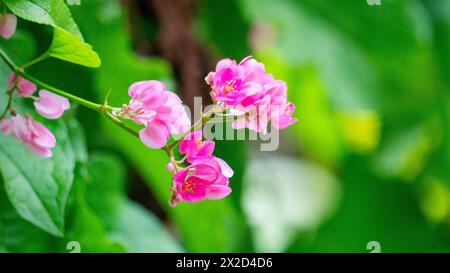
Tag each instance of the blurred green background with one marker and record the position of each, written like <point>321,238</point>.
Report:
<point>368,160</point>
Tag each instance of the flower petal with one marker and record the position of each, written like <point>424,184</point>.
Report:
<point>155,135</point>
<point>227,171</point>
<point>8,24</point>
<point>215,192</point>
<point>50,105</point>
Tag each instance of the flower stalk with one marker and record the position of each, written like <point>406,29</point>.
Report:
<point>103,108</point>
<point>9,104</point>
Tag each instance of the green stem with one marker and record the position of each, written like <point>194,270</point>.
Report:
<point>35,61</point>
<point>199,123</point>
<point>121,124</point>
<point>94,106</point>
<point>8,106</point>
<point>91,105</point>
<point>104,109</point>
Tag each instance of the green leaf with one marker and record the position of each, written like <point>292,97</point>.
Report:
<point>18,235</point>
<point>127,222</point>
<point>78,140</point>
<point>38,187</point>
<point>84,226</point>
<point>70,48</point>
<point>374,209</point>
<point>49,12</point>
<point>21,47</point>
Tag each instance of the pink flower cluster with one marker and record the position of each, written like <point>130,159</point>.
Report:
<point>252,94</point>
<point>244,89</point>
<point>8,24</point>
<point>206,177</point>
<point>33,134</point>
<point>159,110</point>
<point>24,128</point>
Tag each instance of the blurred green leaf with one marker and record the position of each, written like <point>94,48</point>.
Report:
<point>435,199</point>
<point>18,235</point>
<point>49,12</point>
<point>70,48</point>
<point>78,140</point>
<point>38,187</point>
<point>229,37</point>
<point>406,154</point>
<point>374,210</point>
<point>106,194</point>
<point>21,47</point>
<point>84,226</point>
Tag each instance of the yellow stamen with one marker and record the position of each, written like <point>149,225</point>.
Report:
<point>188,186</point>
<point>230,86</point>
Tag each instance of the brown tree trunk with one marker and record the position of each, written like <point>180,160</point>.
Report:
<point>177,43</point>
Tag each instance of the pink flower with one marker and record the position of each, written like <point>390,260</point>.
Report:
<point>232,83</point>
<point>24,87</point>
<point>251,93</point>
<point>50,105</point>
<point>159,110</point>
<point>282,117</point>
<point>206,178</point>
<point>194,147</point>
<point>174,114</point>
<point>33,134</point>
<point>8,24</point>
<point>155,135</point>
<point>253,117</point>
<point>147,97</point>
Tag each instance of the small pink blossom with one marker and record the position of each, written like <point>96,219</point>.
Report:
<point>146,98</point>
<point>8,24</point>
<point>205,178</point>
<point>33,134</point>
<point>194,147</point>
<point>161,112</point>
<point>282,117</point>
<point>175,200</point>
<point>24,87</point>
<point>170,167</point>
<point>50,105</point>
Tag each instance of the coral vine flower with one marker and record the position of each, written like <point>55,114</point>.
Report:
<point>232,82</point>
<point>33,134</point>
<point>194,147</point>
<point>205,178</point>
<point>8,24</point>
<point>282,118</point>
<point>50,105</point>
<point>159,110</point>
<point>251,93</point>
<point>24,87</point>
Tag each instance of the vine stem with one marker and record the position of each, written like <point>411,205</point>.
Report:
<point>103,109</point>
<point>8,106</point>
<point>199,123</point>
<point>37,60</point>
